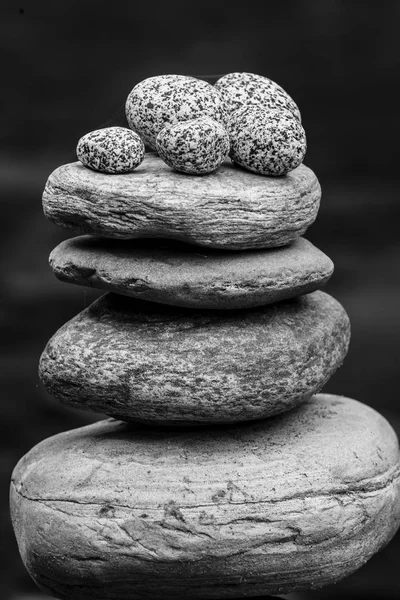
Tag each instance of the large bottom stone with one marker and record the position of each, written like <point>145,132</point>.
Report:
<point>122,511</point>
<point>166,365</point>
<point>182,275</point>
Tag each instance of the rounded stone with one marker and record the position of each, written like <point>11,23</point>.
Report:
<point>231,209</point>
<point>240,90</point>
<point>197,147</point>
<point>266,142</point>
<point>111,150</point>
<point>178,274</point>
<point>157,101</point>
<point>168,365</point>
<point>291,503</point>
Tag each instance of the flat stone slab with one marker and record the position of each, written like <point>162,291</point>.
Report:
<point>182,275</point>
<point>167,365</point>
<point>280,505</point>
<point>229,209</point>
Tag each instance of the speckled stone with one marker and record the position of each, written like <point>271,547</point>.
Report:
<point>291,503</point>
<point>198,146</point>
<point>266,142</point>
<point>240,90</point>
<point>163,99</point>
<point>111,150</point>
<point>178,274</point>
<point>168,365</point>
<point>231,209</point>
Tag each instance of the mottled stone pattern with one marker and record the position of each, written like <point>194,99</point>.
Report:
<point>163,99</point>
<point>266,142</point>
<point>230,209</point>
<point>179,274</point>
<point>129,359</point>
<point>240,90</point>
<point>197,147</point>
<point>295,502</point>
<point>111,150</point>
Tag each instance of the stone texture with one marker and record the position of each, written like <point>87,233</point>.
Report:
<point>175,273</point>
<point>157,101</point>
<point>240,90</point>
<point>111,150</point>
<point>230,209</point>
<point>197,147</point>
<point>266,142</point>
<point>171,365</point>
<point>290,503</point>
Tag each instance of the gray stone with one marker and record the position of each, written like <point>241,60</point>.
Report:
<point>178,274</point>
<point>111,150</point>
<point>197,147</point>
<point>167,365</point>
<point>240,90</point>
<point>291,503</point>
<point>266,142</point>
<point>157,101</point>
<point>230,209</point>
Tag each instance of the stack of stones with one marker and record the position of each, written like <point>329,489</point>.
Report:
<point>222,472</point>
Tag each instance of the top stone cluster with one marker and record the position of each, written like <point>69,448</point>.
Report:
<point>193,126</point>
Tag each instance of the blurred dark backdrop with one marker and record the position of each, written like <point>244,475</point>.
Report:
<point>66,71</point>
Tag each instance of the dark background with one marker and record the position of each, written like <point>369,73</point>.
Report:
<point>66,71</point>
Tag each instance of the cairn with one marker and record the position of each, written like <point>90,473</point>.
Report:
<point>222,472</point>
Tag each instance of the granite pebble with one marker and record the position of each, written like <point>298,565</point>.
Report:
<point>295,502</point>
<point>230,209</point>
<point>197,146</point>
<point>266,142</point>
<point>157,101</point>
<point>167,365</point>
<point>240,90</point>
<point>111,150</point>
<point>178,274</point>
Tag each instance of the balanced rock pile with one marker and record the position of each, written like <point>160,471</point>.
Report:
<point>222,472</point>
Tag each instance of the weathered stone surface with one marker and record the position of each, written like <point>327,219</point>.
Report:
<point>283,504</point>
<point>231,208</point>
<point>175,273</point>
<point>171,365</point>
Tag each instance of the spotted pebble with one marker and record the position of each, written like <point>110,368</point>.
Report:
<point>197,146</point>
<point>163,99</point>
<point>248,89</point>
<point>268,142</point>
<point>111,150</point>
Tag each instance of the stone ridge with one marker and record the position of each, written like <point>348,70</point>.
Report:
<point>261,508</point>
<point>168,365</point>
<point>178,274</point>
<point>230,209</point>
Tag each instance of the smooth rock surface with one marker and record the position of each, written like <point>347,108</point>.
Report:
<point>157,101</point>
<point>111,150</point>
<point>231,208</point>
<point>178,274</point>
<point>266,142</point>
<point>197,147</point>
<point>290,503</point>
<point>240,90</point>
<point>168,365</point>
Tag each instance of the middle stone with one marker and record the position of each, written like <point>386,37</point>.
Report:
<point>174,366</point>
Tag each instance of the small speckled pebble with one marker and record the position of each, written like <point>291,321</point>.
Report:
<point>197,146</point>
<point>268,142</point>
<point>111,150</point>
<point>164,99</point>
<point>248,89</point>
